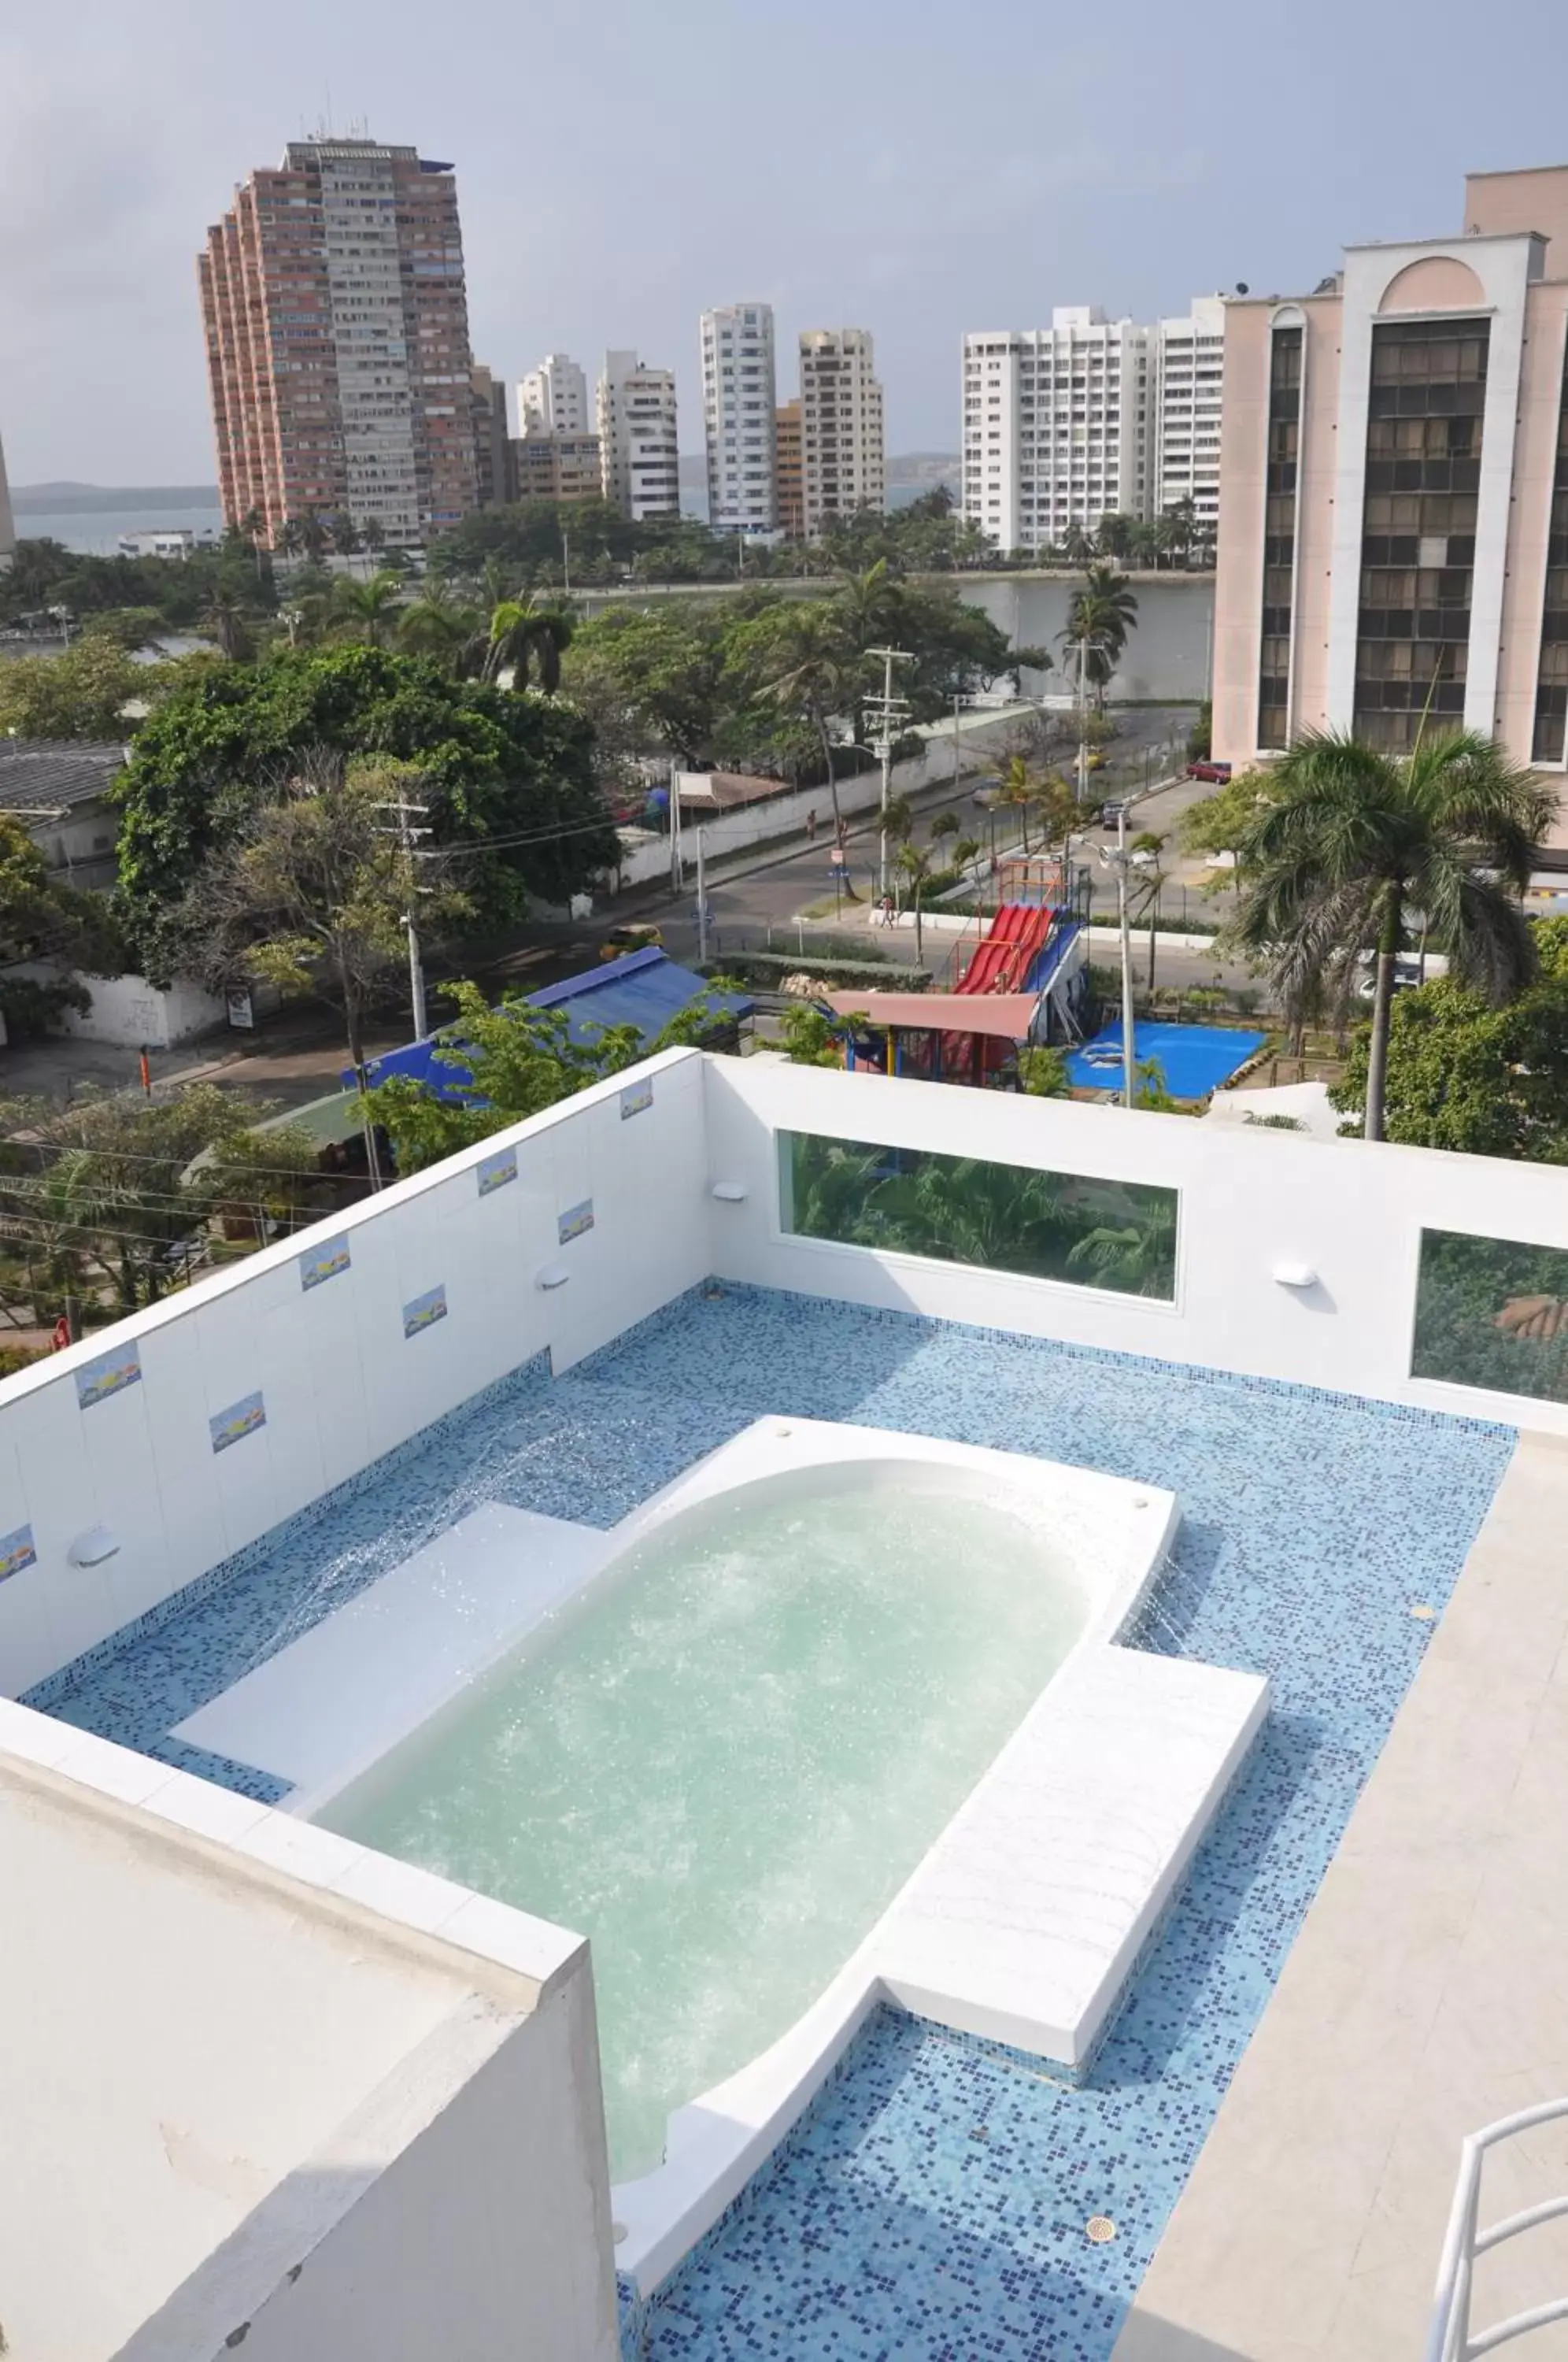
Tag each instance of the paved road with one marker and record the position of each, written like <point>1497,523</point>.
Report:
<point>774,892</point>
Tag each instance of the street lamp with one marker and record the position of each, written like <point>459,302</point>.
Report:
<point>1119,859</point>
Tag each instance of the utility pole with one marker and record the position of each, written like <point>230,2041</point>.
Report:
<point>675,863</point>
<point>1119,859</point>
<point>1083,742</point>
<point>565,563</point>
<point>702,904</point>
<point>888,710</point>
<point>407,832</point>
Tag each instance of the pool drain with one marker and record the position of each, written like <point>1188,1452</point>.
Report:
<point>1100,2230</point>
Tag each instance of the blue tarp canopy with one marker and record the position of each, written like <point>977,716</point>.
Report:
<point>644,989</point>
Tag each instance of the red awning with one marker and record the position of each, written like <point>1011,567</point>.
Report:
<point>1005,1016</point>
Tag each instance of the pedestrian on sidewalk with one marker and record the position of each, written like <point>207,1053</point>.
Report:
<point>811,824</point>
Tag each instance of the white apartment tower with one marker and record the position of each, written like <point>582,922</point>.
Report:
<point>842,458</point>
<point>1190,393</point>
<point>738,399</point>
<point>1058,425</point>
<point>638,446</point>
<point>553,399</point>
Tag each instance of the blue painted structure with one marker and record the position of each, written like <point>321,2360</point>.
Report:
<point>643,989</point>
<point>1194,1059</point>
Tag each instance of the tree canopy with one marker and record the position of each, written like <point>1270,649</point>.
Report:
<point>508,777</point>
<point>1465,1076</point>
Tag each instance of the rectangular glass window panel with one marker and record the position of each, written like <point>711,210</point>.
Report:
<point>1493,1313</point>
<point>1120,1235</point>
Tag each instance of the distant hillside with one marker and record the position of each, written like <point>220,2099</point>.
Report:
<point>71,499</point>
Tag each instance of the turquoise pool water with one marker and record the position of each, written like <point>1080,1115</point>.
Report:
<point>724,1768</point>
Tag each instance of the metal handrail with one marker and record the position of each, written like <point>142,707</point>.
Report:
<point>1451,2339</point>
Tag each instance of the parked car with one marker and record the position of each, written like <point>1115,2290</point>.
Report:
<point>1217,773</point>
<point>1407,973</point>
<point>1111,814</point>
<point>631,938</point>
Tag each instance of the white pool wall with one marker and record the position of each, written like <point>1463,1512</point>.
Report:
<point>1251,1202</point>
<point>343,1385</point>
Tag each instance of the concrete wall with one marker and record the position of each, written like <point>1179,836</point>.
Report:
<point>340,1382</point>
<point>1250,1200</point>
<point>983,740</point>
<point>127,1011</point>
<point>485,2234</point>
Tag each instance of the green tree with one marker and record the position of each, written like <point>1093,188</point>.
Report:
<point>916,865</point>
<point>811,1035</point>
<point>1463,1074</point>
<point>509,780</point>
<point>1223,822</point>
<point>314,892</point>
<point>1104,610</point>
<point>526,637</point>
<point>439,624</point>
<point>367,612</point>
<point>799,662</point>
<point>658,678</point>
<point>81,694</point>
<point>1042,1073</point>
<point>1354,839</point>
<point>510,1062</point>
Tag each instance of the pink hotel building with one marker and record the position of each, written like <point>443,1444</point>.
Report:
<point>1394,491</point>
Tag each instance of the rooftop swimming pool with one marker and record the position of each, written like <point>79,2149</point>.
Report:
<point>935,2203</point>
<point>724,1768</point>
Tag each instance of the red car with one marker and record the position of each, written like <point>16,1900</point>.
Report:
<point>1218,773</point>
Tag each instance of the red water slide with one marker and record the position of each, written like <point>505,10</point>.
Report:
<point>1002,960</point>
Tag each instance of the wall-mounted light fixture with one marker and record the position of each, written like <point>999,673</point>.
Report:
<point>552,1275</point>
<point>94,1547</point>
<point>730,1193</point>
<point>1293,1275</point>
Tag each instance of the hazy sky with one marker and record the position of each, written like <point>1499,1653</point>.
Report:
<point>914,169</point>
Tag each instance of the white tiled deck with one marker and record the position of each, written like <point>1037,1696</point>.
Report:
<point>1426,1995</point>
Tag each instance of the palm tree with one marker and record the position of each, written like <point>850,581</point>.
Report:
<point>1102,614</point>
<point>1137,1257</point>
<point>436,624</point>
<point>1355,837</point>
<point>367,611</point>
<point>290,537</point>
<point>916,866</point>
<point>1076,546</point>
<point>227,621</point>
<point>812,674</point>
<point>522,635</point>
<point>944,826</point>
<point>373,535</point>
<point>1017,792</point>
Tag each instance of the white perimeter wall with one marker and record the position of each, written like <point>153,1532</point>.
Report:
<point>341,1383</point>
<point>127,1011</point>
<point>1250,1200</point>
<point>484,2235</point>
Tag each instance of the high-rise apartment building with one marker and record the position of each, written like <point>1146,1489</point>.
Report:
<point>492,444</point>
<point>1394,491</point>
<point>556,468</point>
<point>337,342</point>
<point>7,524</point>
<point>1189,403</point>
<point>553,399</point>
<point>788,462</point>
<point>1058,425</point>
<point>638,444</point>
<point>738,403</point>
<point>843,467</point>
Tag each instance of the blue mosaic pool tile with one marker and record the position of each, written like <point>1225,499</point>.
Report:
<point>932,2205</point>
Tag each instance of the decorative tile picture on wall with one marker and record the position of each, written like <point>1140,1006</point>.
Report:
<point>574,1221</point>
<point>17,1551</point>
<point>495,1172</point>
<point>425,1311</point>
<point>242,1419</point>
<point>324,1262</point>
<point>109,1374</point>
<point>634,1099</point>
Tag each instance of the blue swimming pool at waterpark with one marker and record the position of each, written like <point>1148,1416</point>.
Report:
<point>1194,1059</point>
